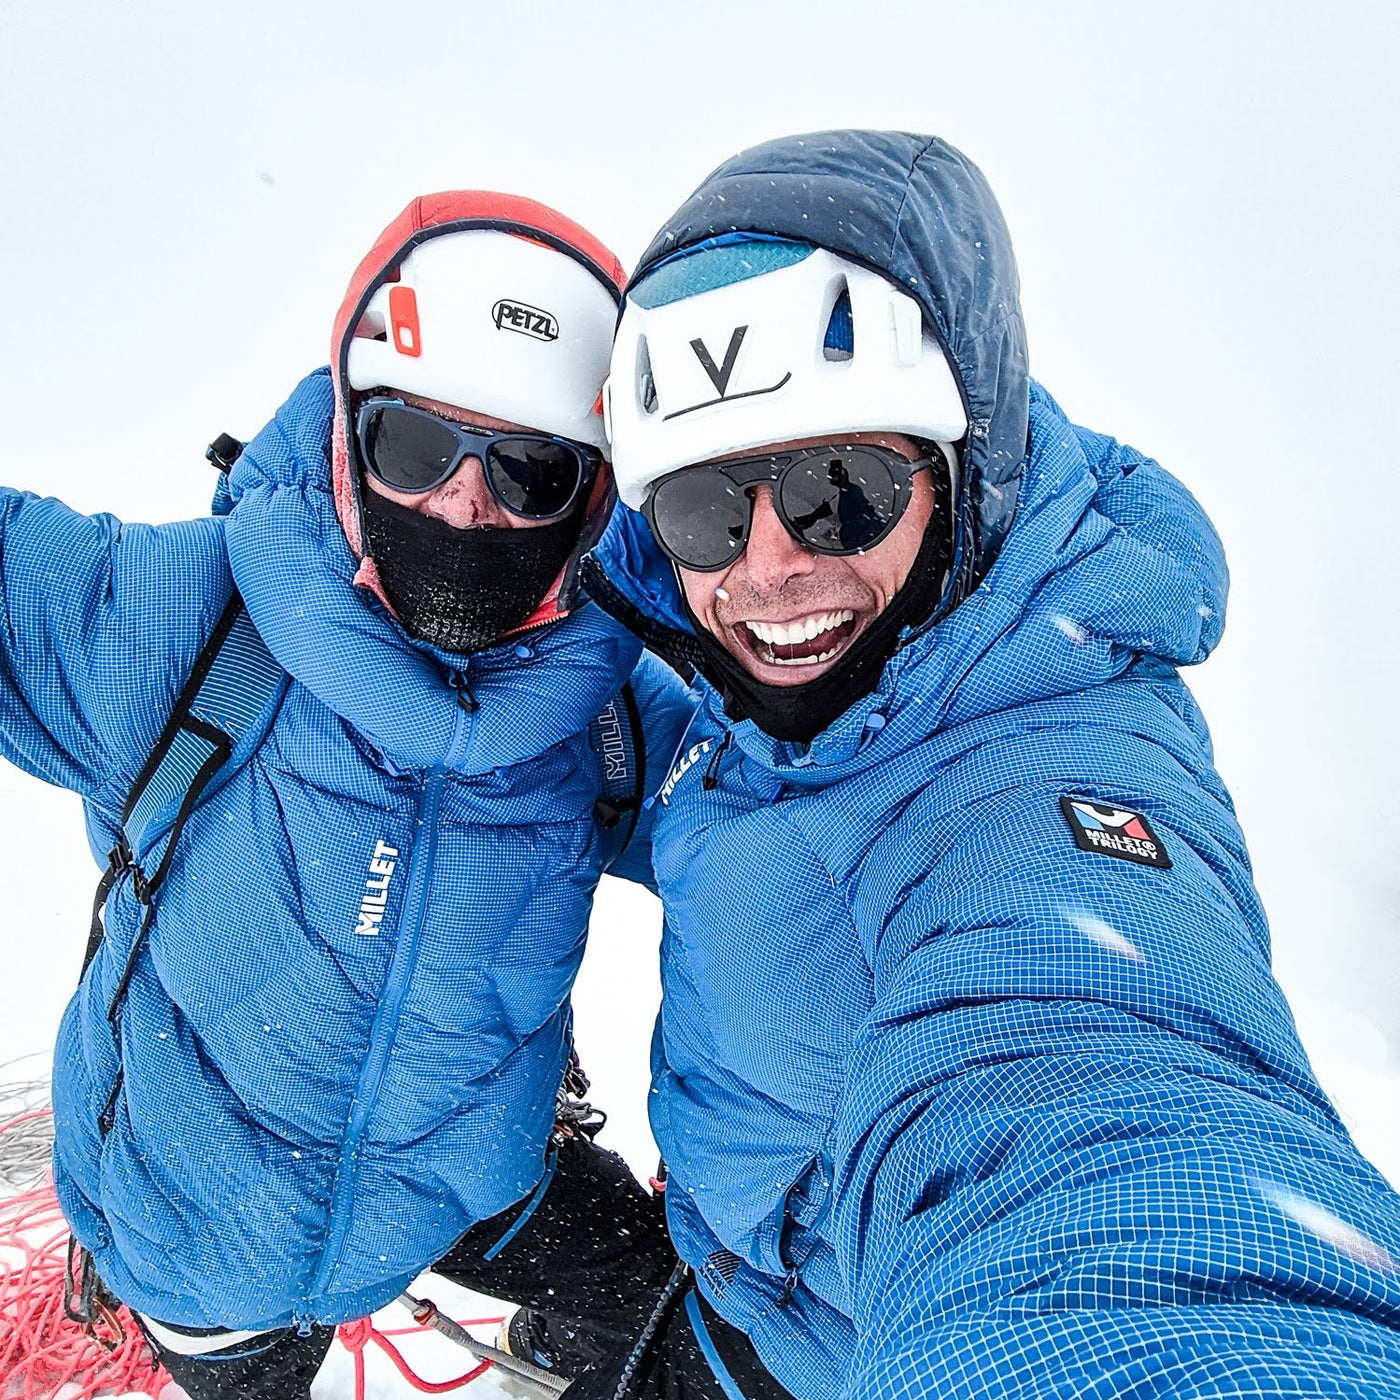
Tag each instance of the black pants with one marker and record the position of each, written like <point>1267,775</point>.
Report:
<point>592,1263</point>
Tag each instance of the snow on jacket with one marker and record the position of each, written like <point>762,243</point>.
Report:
<point>952,1106</point>
<point>309,1113</point>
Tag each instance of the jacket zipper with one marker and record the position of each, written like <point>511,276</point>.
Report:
<point>385,1024</point>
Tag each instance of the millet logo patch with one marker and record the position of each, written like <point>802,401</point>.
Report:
<point>684,764</point>
<point>608,729</point>
<point>1114,831</point>
<point>376,895</point>
<point>527,320</point>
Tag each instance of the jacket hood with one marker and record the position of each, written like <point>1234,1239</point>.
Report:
<point>420,707</point>
<point>428,217</point>
<point>1109,564</point>
<point>919,212</point>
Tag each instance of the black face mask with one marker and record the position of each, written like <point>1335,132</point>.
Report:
<point>463,590</point>
<point>798,713</point>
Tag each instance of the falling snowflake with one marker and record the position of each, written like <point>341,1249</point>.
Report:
<point>1106,936</point>
<point>1319,1221</point>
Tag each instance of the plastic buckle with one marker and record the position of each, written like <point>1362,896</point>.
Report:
<point>224,451</point>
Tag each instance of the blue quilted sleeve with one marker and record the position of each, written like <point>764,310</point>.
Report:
<point>1079,1131</point>
<point>100,623</point>
<point>666,708</point>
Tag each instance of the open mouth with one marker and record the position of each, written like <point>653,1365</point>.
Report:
<point>806,641</point>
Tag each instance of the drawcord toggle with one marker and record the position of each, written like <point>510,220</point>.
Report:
<point>711,779</point>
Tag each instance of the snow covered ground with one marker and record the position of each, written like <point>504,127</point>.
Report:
<point>1206,226</point>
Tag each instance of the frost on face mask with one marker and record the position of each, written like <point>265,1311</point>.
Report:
<point>463,590</point>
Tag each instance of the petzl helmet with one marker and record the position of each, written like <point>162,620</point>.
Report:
<point>492,321</point>
<point>747,341</point>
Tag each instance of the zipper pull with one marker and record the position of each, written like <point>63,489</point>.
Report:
<point>711,779</point>
<point>458,681</point>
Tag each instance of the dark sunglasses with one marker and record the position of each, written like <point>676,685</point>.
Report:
<point>839,499</point>
<point>531,475</point>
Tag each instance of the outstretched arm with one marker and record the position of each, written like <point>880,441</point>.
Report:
<point>1081,1149</point>
<point>99,625</point>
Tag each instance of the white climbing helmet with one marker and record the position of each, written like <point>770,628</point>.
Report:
<point>492,321</point>
<point>750,342</point>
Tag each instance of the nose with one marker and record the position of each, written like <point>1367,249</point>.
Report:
<point>464,499</point>
<point>773,557</point>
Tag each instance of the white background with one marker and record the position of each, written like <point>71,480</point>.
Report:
<point>1203,197</point>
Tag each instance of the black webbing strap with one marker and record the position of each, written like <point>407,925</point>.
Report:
<point>234,679</point>
<point>118,861</point>
<point>119,858</point>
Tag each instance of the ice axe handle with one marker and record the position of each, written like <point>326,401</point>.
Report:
<point>426,1314</point>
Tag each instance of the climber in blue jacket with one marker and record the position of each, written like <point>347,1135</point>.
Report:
<point>971,1076</point>
<point>325,1021</point>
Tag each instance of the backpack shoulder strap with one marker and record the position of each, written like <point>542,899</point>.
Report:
<point>221,715</point>
<point>229,700</point>
<point>616,737</point>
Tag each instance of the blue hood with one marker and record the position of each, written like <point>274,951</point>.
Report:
<point>920,213</point>
<point>291,562</point>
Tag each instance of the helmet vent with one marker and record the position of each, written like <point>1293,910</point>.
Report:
<point>646,381</point>
<point>840,340</point>
<point>371,327</point>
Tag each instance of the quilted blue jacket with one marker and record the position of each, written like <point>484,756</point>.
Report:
<point>965,1092</point>
<point>313,1107</point>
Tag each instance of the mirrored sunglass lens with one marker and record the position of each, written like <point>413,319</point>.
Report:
<point>534,479</point>
<point>839,501</point>
<point>408,451</point>
<point>701,518</point>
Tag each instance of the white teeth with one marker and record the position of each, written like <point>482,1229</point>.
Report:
<point>801,660</point>
<point>788,633</point>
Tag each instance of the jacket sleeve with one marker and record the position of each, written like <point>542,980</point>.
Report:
<point>1080,1097</point>
<point>665,708</point>
<point>100,623</point>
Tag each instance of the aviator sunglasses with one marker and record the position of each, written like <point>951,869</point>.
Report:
<point>835,499</point>
<point>532,475</point>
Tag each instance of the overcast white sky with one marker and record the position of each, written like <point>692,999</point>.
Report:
<point>1204,201</point>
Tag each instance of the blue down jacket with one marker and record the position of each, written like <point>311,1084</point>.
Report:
<point>309,1114</point>
<point>953,1107</point>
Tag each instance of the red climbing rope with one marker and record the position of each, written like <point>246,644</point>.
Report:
<point>355,1336</point>
<point>41,1350</point>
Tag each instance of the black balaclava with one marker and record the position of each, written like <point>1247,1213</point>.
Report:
<point>463,590</point>
<point>798,713</point>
